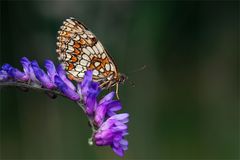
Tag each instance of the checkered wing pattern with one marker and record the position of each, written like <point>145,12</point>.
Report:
<point>79,50</point>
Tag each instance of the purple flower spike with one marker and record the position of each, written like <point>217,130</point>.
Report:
<point>28,69</point>
<point>112,133</point>
<point>42,76</point>
<point>15,73</point>
<point>65,89</point>
<point>109,128</point>
<point>3,75</point>
<point>51,70</point>
<point>62,75</point>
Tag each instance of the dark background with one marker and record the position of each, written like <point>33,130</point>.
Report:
<point>185,104</point>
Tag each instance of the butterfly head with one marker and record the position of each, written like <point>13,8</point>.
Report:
<point>122,78</point>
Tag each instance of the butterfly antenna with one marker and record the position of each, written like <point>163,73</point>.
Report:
<point>139,69</point>
<point>131,83</point>
<point>134,71</point>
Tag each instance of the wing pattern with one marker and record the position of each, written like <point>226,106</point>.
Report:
<point>79,50</point>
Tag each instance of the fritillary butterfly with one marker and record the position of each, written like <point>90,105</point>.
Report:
<point>79,50</point>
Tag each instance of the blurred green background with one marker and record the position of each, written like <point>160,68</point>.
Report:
<point>185,104</point>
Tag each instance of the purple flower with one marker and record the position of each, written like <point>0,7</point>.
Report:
<point>106,106</point>
<point>113,130</point>
<point>3,75</point>
<point>28,69</point>
<point>42,76</point>
<point>15,73</point>
<point>112,133</point>
<point>65,89</point>
<point>89,91</point>
<point>62,75</point>
<point>51,70</point>
<point>109,127</point>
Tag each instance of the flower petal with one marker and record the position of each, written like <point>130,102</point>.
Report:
<point>6,67</point>
<point>42,76</point>
<point>100,113</point>
<point>118,151</point>
<point>51,70</point>
<point>28,69</point>
<point>62,74</point>
<point>123,117</point>
<point>26,64</point>
<point>113,107</point>
<point>87,78</point>
<point>112,132</point>
<point>3,75</point>
<point>90,102</point>
<point>65,89</point>
<point>15,73</point>
<point>108,97</point>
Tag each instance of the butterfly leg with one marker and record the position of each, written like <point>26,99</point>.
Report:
<point>109,86</point>
<point>103,84</point>
<point>117,91</point>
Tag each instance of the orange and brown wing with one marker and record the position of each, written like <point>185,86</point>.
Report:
<point>79,50</point>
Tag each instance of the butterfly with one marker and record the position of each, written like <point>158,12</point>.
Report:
<point>79,50</point>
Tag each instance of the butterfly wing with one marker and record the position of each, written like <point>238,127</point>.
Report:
<point>79,50</point>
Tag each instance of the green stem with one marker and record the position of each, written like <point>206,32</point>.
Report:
<point>90,140</point>
<point>29,86</point>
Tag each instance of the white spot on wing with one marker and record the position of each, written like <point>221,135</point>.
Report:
<point>91,50</point>
<point>97,64</point>
<point>81,74</point>
<point>79,68</point>
<point>74,73</point>
<point>67,29</point>
<point>71,42</point>
<point>70,25</point>
<point>95,72</point>
<point>84,36</point>
<point>70,48</point>
<point>70,21</point>
<point>90,34</point>
<point>107,66</point>
<point>86,51</point>
<point>99,47</point>
<point>68,56</point>
<point>103,56</point>
<point>80,30</point>
<point>76,38</point>
<point>112,67</point>
<point>83,62</point>
<point>95,50</point>
<point>84,56</point>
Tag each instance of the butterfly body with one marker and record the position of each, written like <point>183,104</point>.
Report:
<point>79,50</point>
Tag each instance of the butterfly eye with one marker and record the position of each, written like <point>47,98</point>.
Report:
<point>122,78</point>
